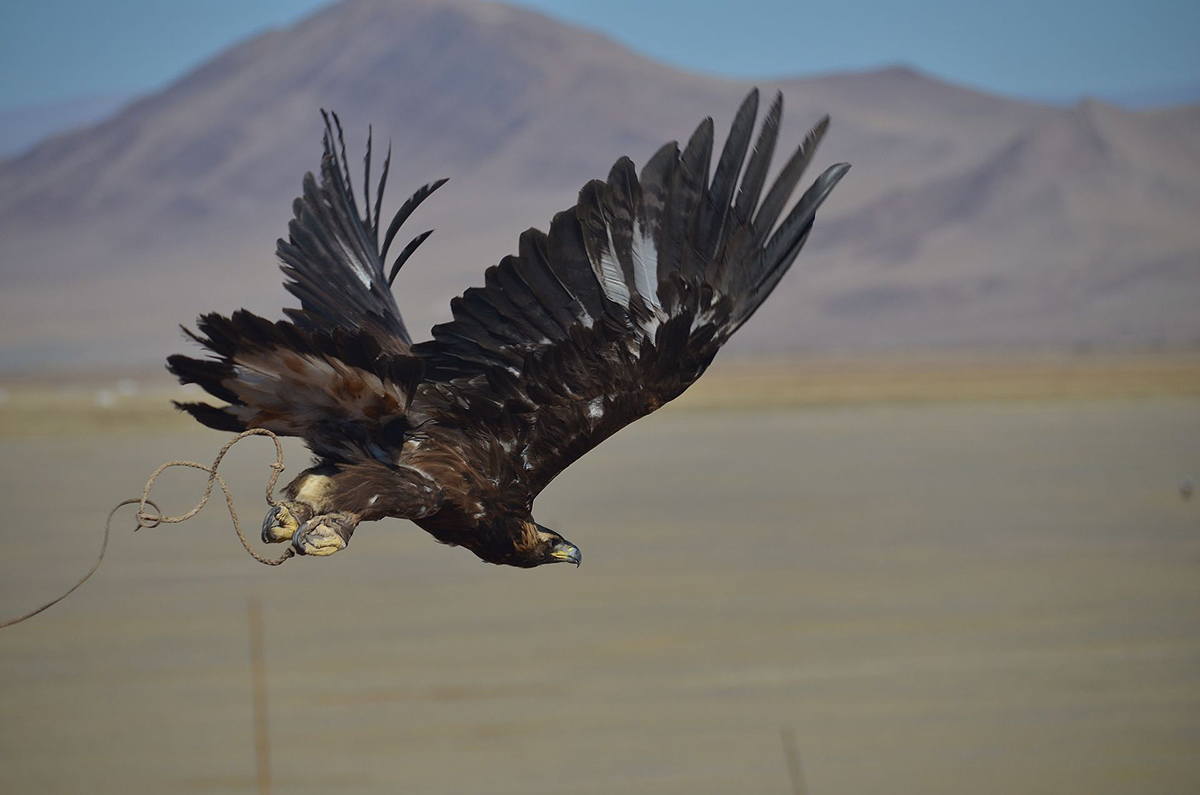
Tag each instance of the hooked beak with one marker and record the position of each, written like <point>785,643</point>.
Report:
<point>565,552</point>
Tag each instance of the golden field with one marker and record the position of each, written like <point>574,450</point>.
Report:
<point>944,573</point>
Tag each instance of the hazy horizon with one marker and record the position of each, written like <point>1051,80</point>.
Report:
<point>62,51</point>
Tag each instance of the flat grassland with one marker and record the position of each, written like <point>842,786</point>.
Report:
<point>943,574</point>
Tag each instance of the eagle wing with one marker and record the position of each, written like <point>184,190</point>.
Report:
<point>625,302</point>
<point>339,372</point>
<point>332,258</point>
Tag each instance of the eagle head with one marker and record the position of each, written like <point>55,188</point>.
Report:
<point>548,547</point>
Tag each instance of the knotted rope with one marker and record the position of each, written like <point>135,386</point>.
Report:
<point>153,518</point>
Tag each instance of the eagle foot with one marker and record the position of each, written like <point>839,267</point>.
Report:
<point>325,534</point>
<point>281,522</point>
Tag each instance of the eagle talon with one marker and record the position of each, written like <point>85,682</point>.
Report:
<point>324,535</point>
<point>281,522</point>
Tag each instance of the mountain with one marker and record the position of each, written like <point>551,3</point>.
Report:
<point>22,127</point>
<point>1079,230</point>
<point>968,218</point>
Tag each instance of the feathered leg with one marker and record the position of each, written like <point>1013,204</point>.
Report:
<point>324,504</point>
<point>308,495</point>
<point>310,519</point>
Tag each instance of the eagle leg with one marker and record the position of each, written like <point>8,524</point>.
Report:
<point>282,521</point>
<point>324,534</point>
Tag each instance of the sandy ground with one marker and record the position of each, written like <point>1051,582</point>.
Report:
<point>985,596</point>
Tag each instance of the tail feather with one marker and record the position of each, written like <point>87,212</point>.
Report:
<point>334,389</point>
<point>213,417</point>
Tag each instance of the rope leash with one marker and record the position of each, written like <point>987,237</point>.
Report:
<point>149,515</point>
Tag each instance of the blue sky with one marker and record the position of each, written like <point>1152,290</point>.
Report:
<point>52,50</point>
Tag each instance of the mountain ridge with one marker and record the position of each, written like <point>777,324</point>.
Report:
<point>961,206</point>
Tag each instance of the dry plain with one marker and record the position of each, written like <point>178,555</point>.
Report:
<point>943,574</point>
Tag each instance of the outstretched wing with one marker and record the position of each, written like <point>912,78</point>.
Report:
<point>626,301</point>
<point>332,257</point>
<point>340,372</point>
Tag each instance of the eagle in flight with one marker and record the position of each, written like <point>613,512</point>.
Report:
<point>614,312</point>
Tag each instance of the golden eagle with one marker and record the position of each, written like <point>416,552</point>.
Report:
<point>616,311</point>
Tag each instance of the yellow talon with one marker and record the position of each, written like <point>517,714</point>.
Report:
<point>324,535</point>
<point>280,524</point>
